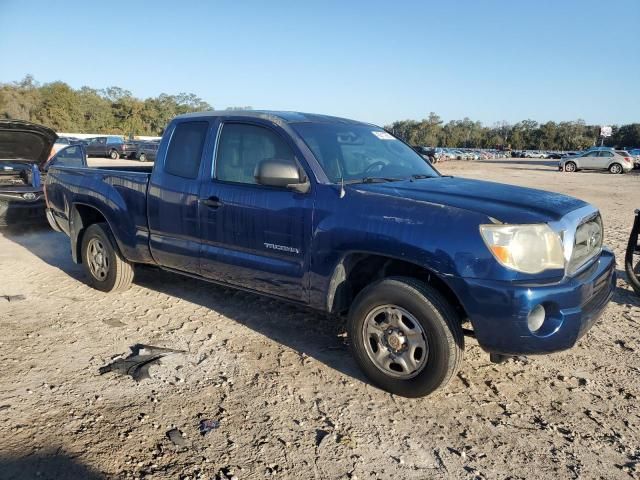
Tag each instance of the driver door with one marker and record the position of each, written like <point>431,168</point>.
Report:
<point>254,236</point>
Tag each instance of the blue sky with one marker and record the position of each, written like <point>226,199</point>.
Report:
<point>370,60</point>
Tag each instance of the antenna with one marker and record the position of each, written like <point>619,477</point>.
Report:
<point>342,192</point>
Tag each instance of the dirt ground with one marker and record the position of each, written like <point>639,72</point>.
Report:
<point>289,400</point>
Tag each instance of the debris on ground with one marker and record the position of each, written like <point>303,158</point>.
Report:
<point>14,298</point>
<point>207,425</point>
<point>178,439</point>
<point>138,362</point>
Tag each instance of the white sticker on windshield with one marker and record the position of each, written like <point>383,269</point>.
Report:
<point>382,135</point>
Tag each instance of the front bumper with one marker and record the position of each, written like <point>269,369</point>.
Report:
<point>21,212</point>
<point>498,310</point>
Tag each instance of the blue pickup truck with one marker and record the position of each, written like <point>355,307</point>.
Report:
<point>343,217</point>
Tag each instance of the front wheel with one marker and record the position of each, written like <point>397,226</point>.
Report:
<point>142,157</point>
<point>570,167</point>
<point>405,336</point>
<point>615,168</point>
<point>105,268</point>
<point>114,155</point>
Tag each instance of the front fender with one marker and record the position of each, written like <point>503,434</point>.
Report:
<point>443,240</point>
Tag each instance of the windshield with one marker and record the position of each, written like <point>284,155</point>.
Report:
<point>359,152</point>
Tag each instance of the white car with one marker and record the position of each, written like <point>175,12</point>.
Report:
<point>618,161</point>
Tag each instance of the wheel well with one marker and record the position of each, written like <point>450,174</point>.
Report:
<point>358,270</point>
<point>85,216</point>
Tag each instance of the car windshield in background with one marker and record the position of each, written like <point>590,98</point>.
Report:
<point>355,153</point>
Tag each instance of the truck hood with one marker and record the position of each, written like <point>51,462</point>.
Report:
<point>25,141</point>
<point>506,203</point>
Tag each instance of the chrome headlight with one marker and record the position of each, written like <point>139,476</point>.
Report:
<point>525,248</point>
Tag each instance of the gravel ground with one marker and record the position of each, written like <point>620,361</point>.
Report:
<point>286,399</point>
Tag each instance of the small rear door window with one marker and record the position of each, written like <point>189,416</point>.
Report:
<point>185,150</point>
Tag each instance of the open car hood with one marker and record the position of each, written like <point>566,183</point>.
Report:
<point>25,141</point>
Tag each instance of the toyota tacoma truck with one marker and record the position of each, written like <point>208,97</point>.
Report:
<point>345,218</point>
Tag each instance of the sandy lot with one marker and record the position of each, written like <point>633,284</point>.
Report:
<point>289,400</point>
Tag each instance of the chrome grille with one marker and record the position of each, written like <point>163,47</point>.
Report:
<point>587,242</point>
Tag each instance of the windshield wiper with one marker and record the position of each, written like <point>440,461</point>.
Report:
<point>420,176</point>
<point>380,179</point>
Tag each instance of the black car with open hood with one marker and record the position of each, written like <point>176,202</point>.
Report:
<point>25,149</point>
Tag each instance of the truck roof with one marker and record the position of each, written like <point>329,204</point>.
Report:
<point>274,115</point>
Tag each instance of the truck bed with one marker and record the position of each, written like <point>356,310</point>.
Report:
<point>119,193</point>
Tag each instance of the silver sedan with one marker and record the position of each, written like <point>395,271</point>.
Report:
<point>614,161</point>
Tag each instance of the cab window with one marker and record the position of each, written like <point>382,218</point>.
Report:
<point>70,157</point>
<point>185,149</point>
<point>242,147</point>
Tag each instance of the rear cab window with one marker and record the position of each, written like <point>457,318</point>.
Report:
<point>184,154</point>
<point>70,157</point>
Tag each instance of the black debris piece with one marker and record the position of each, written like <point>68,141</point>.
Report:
<point>138,362</point>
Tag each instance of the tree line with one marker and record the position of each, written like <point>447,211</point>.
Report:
<point>116,110</point>
<point>88,110</point>
<point>524,135</point>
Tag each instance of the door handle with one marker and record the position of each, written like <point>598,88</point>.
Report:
<point>211,202</point>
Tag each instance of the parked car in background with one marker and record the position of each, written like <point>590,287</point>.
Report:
<point>147,151</point>
<point>24,159</point>
<point>344,218</point>
<point>635,153</point>
<point>600,159</point>
<point>110,146</point>
<point>534,154</point>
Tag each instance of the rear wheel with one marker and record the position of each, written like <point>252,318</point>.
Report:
<point>114,155</point>
<point>615,168</point>
<point>405,336</point>
<point>142,157</point>
<point>105,268</point>
<point>570,167</point>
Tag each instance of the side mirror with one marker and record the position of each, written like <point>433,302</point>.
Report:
<point>281,173</point>
<point>69,156</point>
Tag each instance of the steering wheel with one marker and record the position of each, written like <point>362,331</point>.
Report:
<point>379,163</point>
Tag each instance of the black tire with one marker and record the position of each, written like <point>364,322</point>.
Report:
<point>142,157</point>
<point>439,323</point>
<point>118,273</point>
<point>570,167</point>
<point>114,155</point>
<point>632,266</point>
<point>615,168</point>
